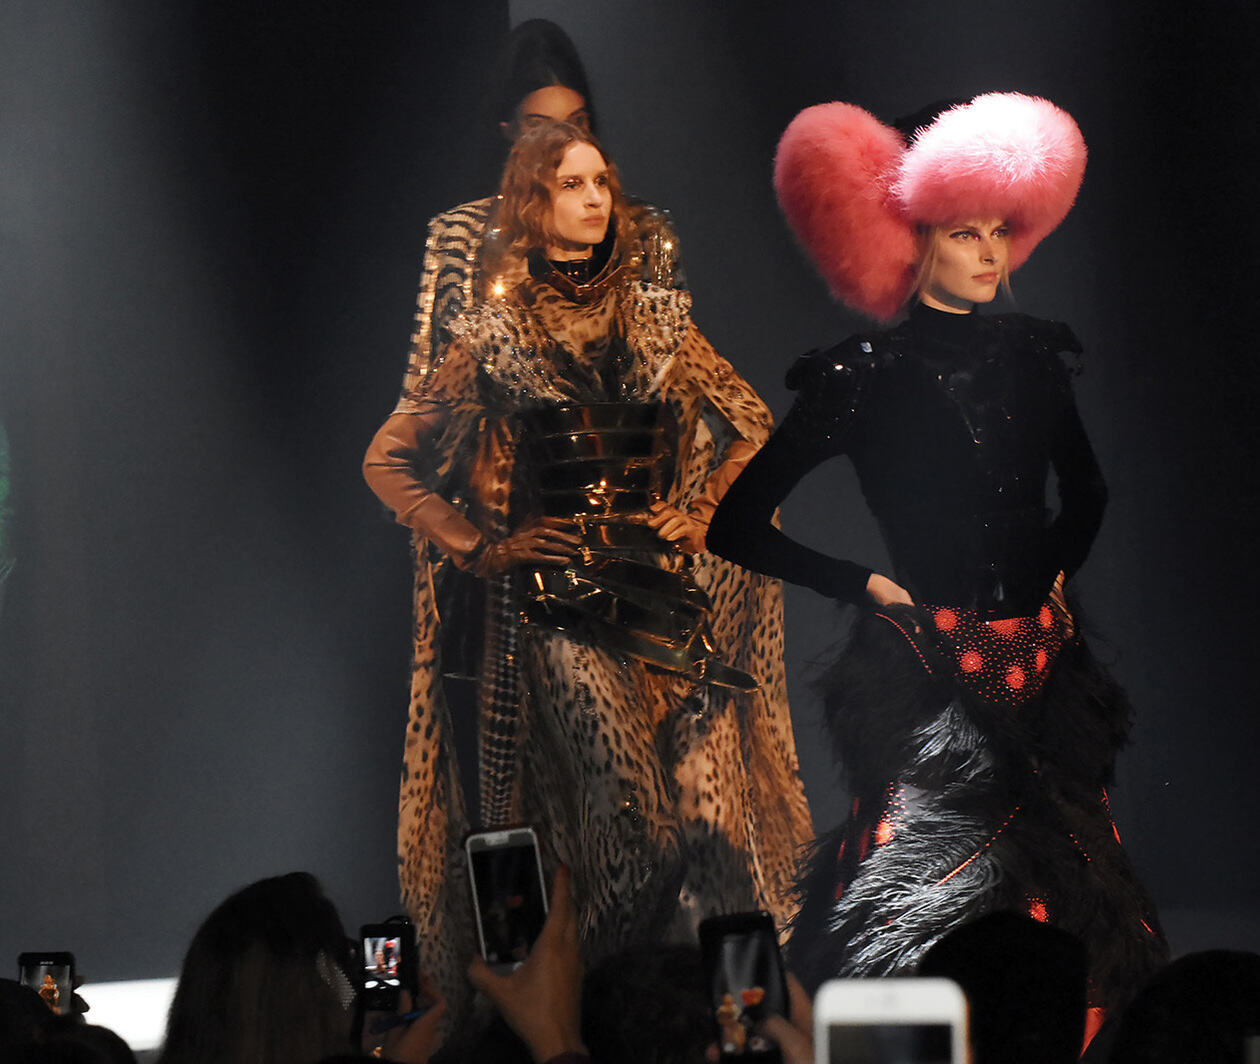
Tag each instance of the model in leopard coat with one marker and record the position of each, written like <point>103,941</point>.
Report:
<point>669,799</point>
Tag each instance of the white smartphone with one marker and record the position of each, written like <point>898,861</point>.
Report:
<point>890,1021</point>
<point>509,898</point>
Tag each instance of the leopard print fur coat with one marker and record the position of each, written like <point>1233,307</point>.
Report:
<point>668,800</point>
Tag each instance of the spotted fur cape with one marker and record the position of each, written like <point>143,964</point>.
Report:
<point>763,806</point>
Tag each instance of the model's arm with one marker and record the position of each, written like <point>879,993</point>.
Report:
<point>393,467</point>
<point>1081,488</point>
<point>742,528</point>
<point>745,422</point>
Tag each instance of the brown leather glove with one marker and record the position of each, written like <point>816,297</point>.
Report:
<point>541,541</point>
<point>686,531</point>
<point>389,467</point>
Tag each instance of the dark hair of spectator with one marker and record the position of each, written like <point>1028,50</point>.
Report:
<point>23,1016</point>
<point>1202,1008</point>
<point>649,1004</point>
<point>68,1041</point>
<point>1026,983</point>
<point>253,988</point>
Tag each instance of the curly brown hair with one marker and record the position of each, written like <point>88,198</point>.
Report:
<point>524,213</point>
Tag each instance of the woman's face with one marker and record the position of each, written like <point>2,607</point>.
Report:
<point>971,260</point>
<point>581,201</point>
<point>551,103</point>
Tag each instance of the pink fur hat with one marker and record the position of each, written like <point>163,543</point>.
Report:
<point>855,194</point>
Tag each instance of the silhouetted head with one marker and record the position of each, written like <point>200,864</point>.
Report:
<point>264,980</point>
<point>1201,1008</point>
<point>1026,983</point>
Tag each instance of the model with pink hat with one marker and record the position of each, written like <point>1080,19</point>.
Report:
<point>976,730</point>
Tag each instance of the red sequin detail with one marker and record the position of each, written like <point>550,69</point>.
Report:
<point>1005,661</point>
<point>1149,930</point>
<point>1116,832</point>
<point>884,832</point>
<point>1037,910</point>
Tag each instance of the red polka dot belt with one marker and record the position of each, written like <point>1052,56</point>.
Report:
<point>1001,661</point>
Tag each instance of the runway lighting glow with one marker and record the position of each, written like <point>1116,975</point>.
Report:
<point>135,1010</point>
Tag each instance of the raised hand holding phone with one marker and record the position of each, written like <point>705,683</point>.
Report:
<point>541,999</point>
<point>508,894</point>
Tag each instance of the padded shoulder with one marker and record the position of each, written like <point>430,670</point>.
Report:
<point>658,251</point>
<point>836,371</point>
<point>830,384</point>
<point>1052,337</point>
<point>469,217</point>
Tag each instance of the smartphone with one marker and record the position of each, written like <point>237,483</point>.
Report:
<point>890,1021</point>
<point>509,899</point>
<point>51,976</point>
<point>744,973</point>
<point>390,963</point>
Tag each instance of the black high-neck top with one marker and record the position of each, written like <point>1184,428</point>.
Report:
<point>953,423</point>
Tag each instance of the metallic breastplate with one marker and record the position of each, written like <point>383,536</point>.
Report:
<point>602,465</point>
<point>597,462</point>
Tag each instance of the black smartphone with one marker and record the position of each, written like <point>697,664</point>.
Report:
<point>509,900</point>
<point>51,976</point>
<point>744,973</point>
<point>389,963</point>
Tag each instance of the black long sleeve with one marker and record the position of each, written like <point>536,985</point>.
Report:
<point>743,529</point>
<point>816,428</point>
<point>953,423</point>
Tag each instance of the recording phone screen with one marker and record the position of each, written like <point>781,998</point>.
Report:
<point>746,986</point>
<point>381,958</point>
<point>52,982</point>
<point>880,1043</point>
<point>509,900</point>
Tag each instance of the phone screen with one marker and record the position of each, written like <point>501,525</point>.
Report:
<point>510,904</point>
<point>51,978</point>
<point>382,957</point>
<point>746,982</point>
<point>890,1043</point>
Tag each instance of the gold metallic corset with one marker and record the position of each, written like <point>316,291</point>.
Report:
<point>602,465</point>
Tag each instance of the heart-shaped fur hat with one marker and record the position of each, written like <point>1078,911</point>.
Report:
<point>856,195</point>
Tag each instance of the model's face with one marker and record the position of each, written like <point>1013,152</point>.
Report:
<point>972,257</point>
<point>581,201</point>
<point>551,103</point>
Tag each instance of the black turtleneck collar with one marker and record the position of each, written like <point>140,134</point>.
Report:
<point>942,336</point>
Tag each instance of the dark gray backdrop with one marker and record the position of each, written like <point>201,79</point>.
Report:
<point>211,227</point>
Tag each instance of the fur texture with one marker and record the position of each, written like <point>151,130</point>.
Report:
<point>832,174</point>
<point>854,194</point>
<point>959,811</point>
<point>1003,154</point>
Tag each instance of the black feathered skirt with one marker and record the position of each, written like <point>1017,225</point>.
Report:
<point>965,803</point>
